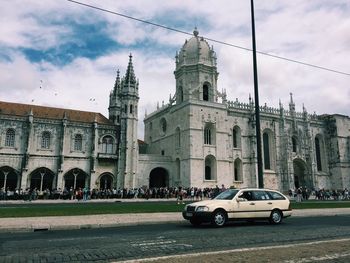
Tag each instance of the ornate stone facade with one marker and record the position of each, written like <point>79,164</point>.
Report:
<point>51,148</point>
<point>210,141</point>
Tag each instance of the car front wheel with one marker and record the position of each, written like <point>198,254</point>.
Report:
<point>219,218</point>
<point>275,217</point>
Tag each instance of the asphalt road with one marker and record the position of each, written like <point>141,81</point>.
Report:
<point>144,241</point>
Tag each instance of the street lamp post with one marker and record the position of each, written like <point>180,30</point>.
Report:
<point>257,107</point>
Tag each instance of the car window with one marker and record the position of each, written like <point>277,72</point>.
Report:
<point>276,196</point>
<point>227,195</point>
<point>246,195</point>
<point>260,195</point>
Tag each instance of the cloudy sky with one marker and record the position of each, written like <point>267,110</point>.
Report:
<point>57,53</point>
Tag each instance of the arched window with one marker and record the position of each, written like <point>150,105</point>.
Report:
<point>209,134</point>
<point>163,126</point>
<point>10,138</point>
<point>178,172</point>
<point>318,153</point>
<point>294,144</point>
<point>45,140</point>
<point>78,142</point>
<point>238,170</point>
<point>236,137</point>
<point>207,172</point>
<point>205,92</point>
<point>131,108</point>
<point>107,144</point>
<point>177,138</point>
<point>210,168</point>
<point>180,95</point>
<point>266,145</point>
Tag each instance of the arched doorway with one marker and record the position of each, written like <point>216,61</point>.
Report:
<point>8,178</point>
<point>159,177</point>
<point>300,173</point>
<point>106,181</point>
<point>42,179</point>
<point>75,178</point>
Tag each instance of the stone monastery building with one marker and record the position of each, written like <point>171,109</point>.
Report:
<point>198,139</point>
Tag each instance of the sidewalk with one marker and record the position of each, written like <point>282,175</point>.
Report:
<point>30,224</point>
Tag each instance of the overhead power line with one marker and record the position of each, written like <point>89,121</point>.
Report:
<point>209,39</point>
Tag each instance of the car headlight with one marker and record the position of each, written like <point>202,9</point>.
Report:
<point>202,208</point>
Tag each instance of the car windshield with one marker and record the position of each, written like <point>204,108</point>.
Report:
<point>227,195</point>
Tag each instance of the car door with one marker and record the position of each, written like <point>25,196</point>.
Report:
<point>244,205</point>
<point>263,203</point>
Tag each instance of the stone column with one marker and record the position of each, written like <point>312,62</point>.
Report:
<point>42,174</point>
<point>5,179</point>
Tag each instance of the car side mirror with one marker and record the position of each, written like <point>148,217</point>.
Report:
<point>240,199</point>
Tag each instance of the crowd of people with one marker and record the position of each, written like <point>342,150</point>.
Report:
<point>84,194</point>
<point>304,193</point>
<point>192,193</point>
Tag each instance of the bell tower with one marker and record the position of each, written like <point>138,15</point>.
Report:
<point>196,73</point>
<point>114,102</point>
<point>128,153</point>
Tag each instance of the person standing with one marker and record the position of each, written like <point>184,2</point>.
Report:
<point>346,194</point>
<point>192,194</point>
<point>180,196</point>
<point>299,194</point>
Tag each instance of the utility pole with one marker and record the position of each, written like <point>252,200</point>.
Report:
<point>257,107</point>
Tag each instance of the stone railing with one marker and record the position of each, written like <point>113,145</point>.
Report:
<point>236,105</point>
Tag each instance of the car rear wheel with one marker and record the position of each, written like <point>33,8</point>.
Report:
<point>219,218</point>
<point>275,217</point>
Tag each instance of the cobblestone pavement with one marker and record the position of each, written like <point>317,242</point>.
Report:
<point>322,251</point>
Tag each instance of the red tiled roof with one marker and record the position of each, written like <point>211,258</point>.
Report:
<point>19,109</point>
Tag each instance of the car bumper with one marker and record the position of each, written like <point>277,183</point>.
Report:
<point>199,216</point>
<point>287,213</point>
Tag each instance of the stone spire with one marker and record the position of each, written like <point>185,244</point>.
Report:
<point>117,83</point>
<point>130,75</point>
<point>195,32</point>
<point>291,103</point>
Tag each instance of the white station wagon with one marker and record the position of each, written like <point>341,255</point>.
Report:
<point>240,204</point>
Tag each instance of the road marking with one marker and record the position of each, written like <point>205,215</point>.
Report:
<point>74,239</point>
<point>152,243</point>
<point>247,250</point>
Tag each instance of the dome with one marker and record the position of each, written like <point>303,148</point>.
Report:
<point>196,50</point>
